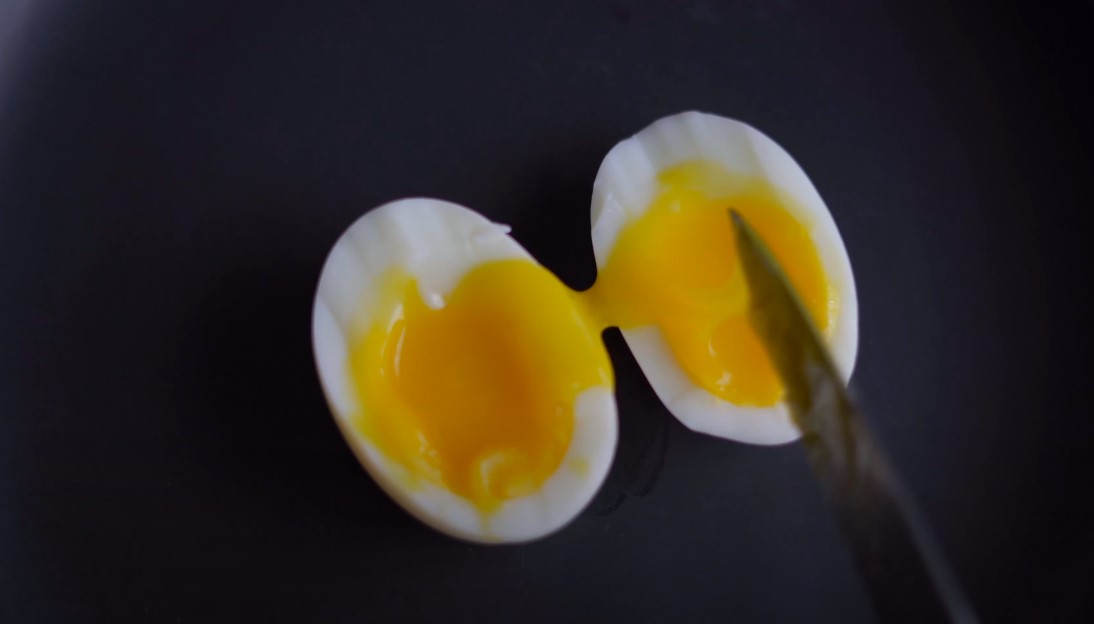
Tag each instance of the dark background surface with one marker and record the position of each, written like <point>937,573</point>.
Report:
<point>172,175</point>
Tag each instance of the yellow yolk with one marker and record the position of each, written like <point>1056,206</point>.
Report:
<point>676,268</point>
<point>479,395</point>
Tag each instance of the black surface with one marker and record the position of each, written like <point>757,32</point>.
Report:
<point>173,173</point>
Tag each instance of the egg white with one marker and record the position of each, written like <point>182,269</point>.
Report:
<point>438,242</point>
<point>624,190</point>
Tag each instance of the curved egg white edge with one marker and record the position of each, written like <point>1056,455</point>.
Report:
<point>438,242</point>
<point>622,192</point>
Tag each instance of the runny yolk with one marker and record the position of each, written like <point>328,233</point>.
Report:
<point>676,268</point>
<point>478,395</point>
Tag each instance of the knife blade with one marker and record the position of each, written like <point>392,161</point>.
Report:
<point>902,567</point>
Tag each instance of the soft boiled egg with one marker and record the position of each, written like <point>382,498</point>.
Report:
<point>668,273</point>
<point>469,381</point>
<point>473,385</point>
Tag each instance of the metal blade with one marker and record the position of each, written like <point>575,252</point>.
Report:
<point>903,569</point>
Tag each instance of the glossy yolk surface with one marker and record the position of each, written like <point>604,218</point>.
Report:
<point>477,396</point>
<point>676,267</point>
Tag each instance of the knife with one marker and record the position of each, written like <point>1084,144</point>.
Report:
<point>905,574</point>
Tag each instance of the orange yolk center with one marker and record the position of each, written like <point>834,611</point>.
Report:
<point>675,267</point>
<point>479,396</point>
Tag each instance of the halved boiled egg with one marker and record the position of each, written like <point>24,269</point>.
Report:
<point>469,381</point>
<point>668,273</point>
<point>473,385</point>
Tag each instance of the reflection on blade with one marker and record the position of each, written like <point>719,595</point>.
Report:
<point>903,569</point>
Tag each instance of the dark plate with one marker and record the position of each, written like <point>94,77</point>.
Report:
<point>173,173</point>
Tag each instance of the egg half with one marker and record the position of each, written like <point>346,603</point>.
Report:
<point>469,381</point>
<point>668,274</point>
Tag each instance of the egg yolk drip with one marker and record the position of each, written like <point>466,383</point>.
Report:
<point>477,396</point>
<point>676,268</point>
